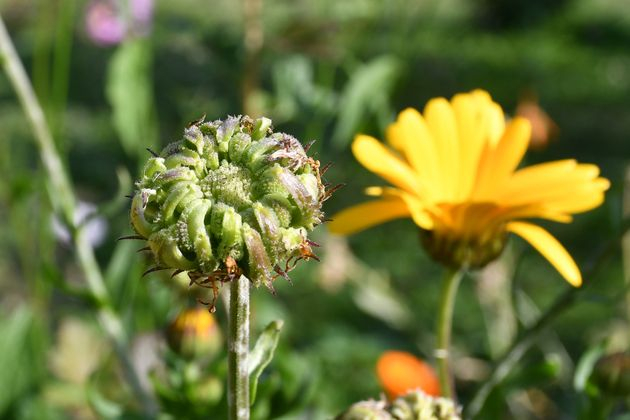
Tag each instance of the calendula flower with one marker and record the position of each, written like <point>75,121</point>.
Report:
<point>454,172</point>
<point>400,372</point>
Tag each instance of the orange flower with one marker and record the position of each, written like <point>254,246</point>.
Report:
<point>400,372</point>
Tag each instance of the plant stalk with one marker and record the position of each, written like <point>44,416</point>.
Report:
<point>238,349</point>
<point>63,199</point>
<point>450,284</point>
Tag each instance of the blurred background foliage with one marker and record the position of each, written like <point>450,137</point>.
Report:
<point>322,70</point>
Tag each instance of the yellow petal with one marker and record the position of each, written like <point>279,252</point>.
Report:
<point>550,248</point>
<point>380,160</point>
<point>563,186</point>
<point>366,215</point>
<point>441,122</point>
<point>415,205</point>
<point>411,136</point>
<point>496,166</point>
<point>472,123</point>
<point>496,124</point>
<point>532,177</point>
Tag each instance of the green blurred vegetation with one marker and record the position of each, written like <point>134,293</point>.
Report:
<point>321,70</point>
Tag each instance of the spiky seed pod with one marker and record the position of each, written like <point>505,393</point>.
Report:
<point>230,198</point>
<point>418,405</point>
<point>366,410</point>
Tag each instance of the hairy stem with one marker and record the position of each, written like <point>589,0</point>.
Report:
<point>444,323</point>
<point>238,349</point>
<point>63,199</point>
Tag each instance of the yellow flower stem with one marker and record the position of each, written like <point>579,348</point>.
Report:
<point>238,349</point>
<point>450,284</point>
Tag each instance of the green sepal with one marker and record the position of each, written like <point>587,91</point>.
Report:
<point>261,128</point>
<point>259,263</point>
<point>138,218</point>
<point>181,193</point>
<point>269,228</point>
<point>199,236</point>
<point>166,250</point>
<point>238,146</point>
<point>153,166</point>
<point>231,238</point>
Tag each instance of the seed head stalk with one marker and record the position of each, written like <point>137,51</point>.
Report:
<point>238,349</point>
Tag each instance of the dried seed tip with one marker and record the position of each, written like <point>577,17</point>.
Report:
<point>325,168</point>
<point>153,269</point>
<point>231,198</point>
<point>128,237</point>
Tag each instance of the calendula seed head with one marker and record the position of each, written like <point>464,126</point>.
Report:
<point>232,197</point>
<point>366,410</point>
<point>418,405</point>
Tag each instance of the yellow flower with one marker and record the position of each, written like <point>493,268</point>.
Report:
<point>454,172</point>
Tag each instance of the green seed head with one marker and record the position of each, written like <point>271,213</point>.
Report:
<point>366,410</point>
<point>230,198</point>
<point>418,405</point>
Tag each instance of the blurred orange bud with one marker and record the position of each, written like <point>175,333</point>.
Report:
<point>544,129</point>
<point>195,333</point>
<point>400,372</point>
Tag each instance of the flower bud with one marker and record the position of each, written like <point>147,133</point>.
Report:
<point>400,372</point>
<point>230,198</point>
<point>194,333</point>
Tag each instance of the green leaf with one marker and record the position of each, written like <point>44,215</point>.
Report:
<point>585,366</point>
<point>17,374</point>
<point>367,92</point>
<point>262,354</point>
<point>104,408</point>
<point>129,91</point>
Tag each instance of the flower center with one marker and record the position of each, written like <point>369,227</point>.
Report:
<point>229,183</point>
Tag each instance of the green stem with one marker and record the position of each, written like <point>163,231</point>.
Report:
<point>238,349</point>
<point>63,199</point>
<point>445,320</point>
